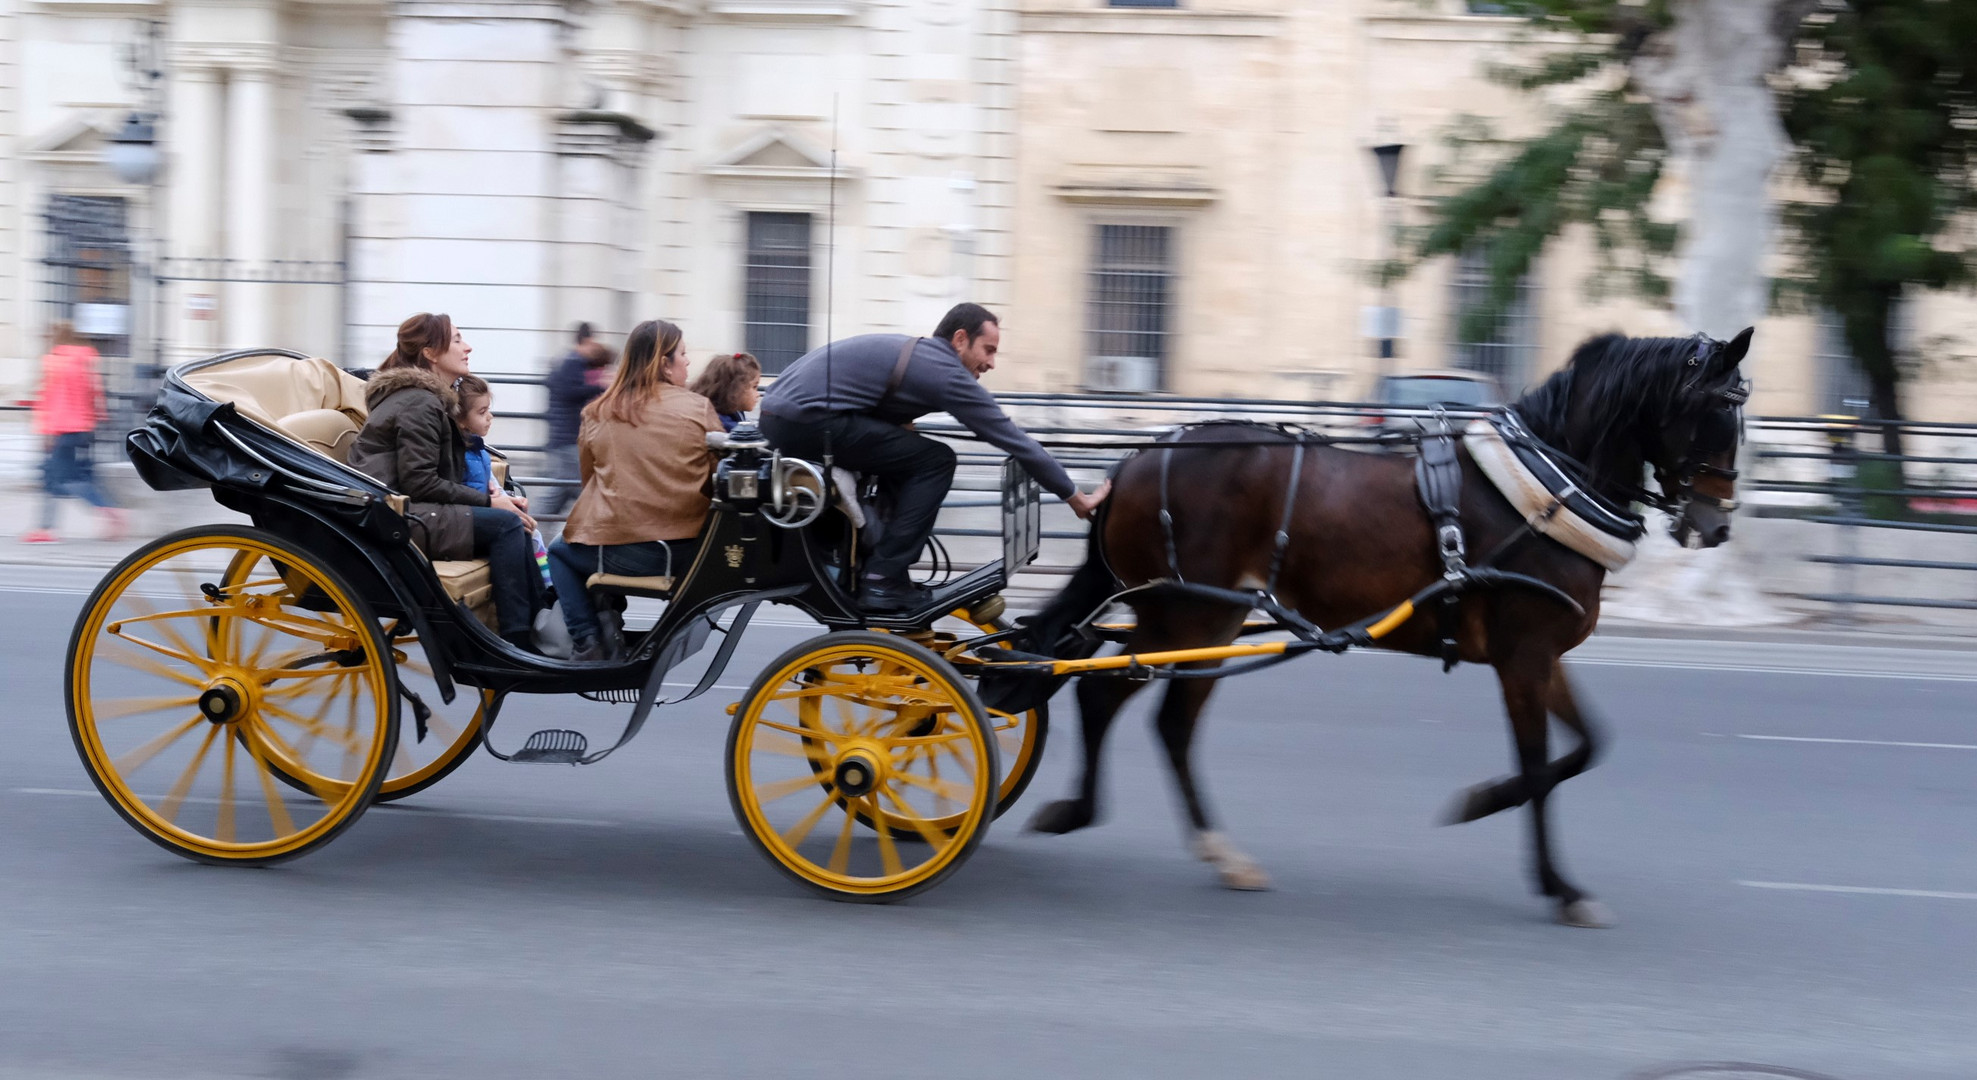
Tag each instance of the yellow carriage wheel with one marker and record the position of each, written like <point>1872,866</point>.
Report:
<point>1019,736</point>
<point>853,714</point>
<point>210,666</point>
<point>453,730</point>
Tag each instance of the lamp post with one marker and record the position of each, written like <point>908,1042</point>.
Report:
<point>1387,328</point>
<point>136,159</point>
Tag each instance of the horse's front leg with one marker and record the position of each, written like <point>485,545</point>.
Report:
<point>1531,691</point>
<point>1180,710</point>
<point>1099,700</point>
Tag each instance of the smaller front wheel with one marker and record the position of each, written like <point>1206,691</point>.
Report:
<point>854,728</point>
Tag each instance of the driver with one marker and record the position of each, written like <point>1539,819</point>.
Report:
<point>862,394</point>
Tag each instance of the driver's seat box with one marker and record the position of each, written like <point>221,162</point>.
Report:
<point>321,406</point>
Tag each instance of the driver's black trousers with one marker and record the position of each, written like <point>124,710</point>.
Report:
<point>913,470</point>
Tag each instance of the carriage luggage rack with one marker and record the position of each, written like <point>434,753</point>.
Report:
<point>556,746</point>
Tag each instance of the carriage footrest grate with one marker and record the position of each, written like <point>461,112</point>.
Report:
<point>610,697</point>
<point>557,746</point>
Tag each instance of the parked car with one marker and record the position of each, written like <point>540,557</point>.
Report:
<point>1405,403</point>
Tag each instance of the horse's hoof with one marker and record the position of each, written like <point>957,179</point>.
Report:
<point>1587,913</point>
<point>1249,878</point>
<point>1471,804</point>
<point>1060,817</point>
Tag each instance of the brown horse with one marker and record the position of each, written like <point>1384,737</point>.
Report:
<point>1361,541</point>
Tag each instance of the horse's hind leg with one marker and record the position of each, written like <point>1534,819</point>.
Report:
<point>1180,708</point>
<point>1099,700</point>
<point>1575,908</point>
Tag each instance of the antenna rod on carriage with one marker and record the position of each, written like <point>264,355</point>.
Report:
<point>830,280</point>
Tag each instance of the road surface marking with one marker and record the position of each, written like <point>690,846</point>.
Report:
<point>1850,742</point>
<point>1863,890</point>
<point>1763,669</point>
<point>421,811</point>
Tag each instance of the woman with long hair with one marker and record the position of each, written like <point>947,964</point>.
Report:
<point>412,443</point>
<point>642,452</point>
<point>730,382</point>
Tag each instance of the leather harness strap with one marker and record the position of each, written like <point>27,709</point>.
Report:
<point>1438,479</point>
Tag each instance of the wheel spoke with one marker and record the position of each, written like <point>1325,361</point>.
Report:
<point>315,728</point>
<point>136,759</point>
<point>171,633</point>
<point>818,734</point>
<point>176,796</point>
<point>888,851</point>
<point>770,743</point>
<point>841,851</point>
<point>125,656</point>
<point>223,826</point>
<point>277,809</point>
<point>935,839</point>
<point>307,775</point>
<point>183,657</point>
<point>800,831</point>
<point>783,789</point>
<point>122,707</point>
<point>942,788</point>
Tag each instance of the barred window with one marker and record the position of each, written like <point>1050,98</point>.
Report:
<point>1507,352</point>
<point>776,317</point>
<point>88,268</point>
<point>1129,322</point>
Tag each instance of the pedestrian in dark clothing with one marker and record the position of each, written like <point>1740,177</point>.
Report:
<point>858,396</point>
<point>574,382</point>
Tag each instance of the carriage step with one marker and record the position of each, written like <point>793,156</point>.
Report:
<point>557,746</point>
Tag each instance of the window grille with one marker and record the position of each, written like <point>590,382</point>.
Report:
<point>776,318</point>
<point>1507,352</point>
<point>1131,292</point>
<point>1843,387</point>
<point>88,269</point>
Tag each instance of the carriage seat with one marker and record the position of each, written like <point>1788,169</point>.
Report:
<point>657,588</point>
<point>321,406</point>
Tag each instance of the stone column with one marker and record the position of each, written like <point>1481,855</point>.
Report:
<point>192,137</point>
<point>248,315</point>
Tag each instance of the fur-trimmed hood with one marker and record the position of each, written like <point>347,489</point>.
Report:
<point>383,384</point>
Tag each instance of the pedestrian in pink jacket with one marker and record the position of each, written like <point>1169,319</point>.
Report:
<point>66,414</point>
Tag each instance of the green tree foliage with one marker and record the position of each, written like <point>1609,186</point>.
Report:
<point>1880,103</point>
<point>1884,118</point>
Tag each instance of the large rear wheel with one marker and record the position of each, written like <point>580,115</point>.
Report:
<point>854,728</point>
<point>212,669</point>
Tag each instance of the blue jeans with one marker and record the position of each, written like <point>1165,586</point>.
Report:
<point>500,537</point>
<point>570,566</point>
<point>69,470</point>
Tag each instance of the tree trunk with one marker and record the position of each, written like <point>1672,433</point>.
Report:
<point>1866,319</point>
<point>1706,76</point>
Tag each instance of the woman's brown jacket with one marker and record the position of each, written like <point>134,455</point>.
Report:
<point>646,480</point>
<point>412,445</point>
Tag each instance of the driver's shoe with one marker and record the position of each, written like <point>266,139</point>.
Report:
<point>892,596</point>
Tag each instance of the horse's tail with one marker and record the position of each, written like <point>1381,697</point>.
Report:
<point>1051,630</point>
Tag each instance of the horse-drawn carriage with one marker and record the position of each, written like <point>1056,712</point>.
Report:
<point>242,694</point>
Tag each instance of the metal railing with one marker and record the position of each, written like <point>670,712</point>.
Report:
<point>1807,467</point>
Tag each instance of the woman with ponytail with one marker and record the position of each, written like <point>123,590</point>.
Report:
<point>412,444</point>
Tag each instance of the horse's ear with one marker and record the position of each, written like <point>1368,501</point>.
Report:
<point>1738,347</point>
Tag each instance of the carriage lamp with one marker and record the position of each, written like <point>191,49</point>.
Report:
<point>133,153</point>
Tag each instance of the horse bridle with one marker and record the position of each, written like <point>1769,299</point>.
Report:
<point>1675,498</point>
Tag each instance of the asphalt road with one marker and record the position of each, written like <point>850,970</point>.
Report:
<point>1786,834</point>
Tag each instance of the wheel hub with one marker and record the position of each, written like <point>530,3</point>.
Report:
<point>856,773</point>
<point>223,702</point>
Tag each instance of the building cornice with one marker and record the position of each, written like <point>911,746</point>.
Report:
<point>1178,22</point>
<point>786,11</point>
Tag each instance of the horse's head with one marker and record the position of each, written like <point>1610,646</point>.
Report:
<point>1694,452</point>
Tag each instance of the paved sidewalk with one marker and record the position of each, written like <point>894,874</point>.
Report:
<point>83,553</point>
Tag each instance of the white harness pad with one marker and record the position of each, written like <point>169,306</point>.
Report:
<point>1545,511</point>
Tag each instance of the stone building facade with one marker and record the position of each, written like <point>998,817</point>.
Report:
<point>1172,195</point>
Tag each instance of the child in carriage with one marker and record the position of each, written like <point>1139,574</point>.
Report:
<point>474,412</point>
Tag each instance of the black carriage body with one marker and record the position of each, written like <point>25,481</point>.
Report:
<point>346,517</point>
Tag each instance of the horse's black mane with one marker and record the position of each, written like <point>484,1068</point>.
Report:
<point>1596,406</point>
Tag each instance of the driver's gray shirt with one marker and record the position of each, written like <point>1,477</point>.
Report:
<point>850,376</point>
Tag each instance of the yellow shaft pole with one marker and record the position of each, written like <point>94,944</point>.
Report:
<point>1172,656</point>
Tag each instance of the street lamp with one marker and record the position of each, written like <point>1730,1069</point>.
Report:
<point>1387,322</point>
<point>133,153</point>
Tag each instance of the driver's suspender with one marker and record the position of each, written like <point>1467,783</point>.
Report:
<point>898,371</point>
